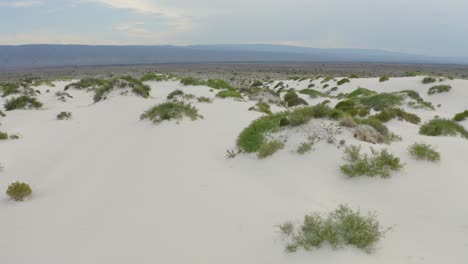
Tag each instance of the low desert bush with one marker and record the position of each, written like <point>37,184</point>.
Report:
<point>384,79</point>
<point>439,89</point>
<point>10,88</point>
<point>171,110</point>
<point>359,92</point>
<point>420,103</point>
<point>442,127</point>
<point>262,107</point>
<point>203,99</point>
<point>87,83</point>
<point>343,81</point>
<point>22,102</point>
<point>353,76</point>
<point>256,83</point>
<point>253,136</point>
<point>327,79</point>
<point>379,163</point>
<point>292,99</point>
<point>3,135</point>
<point>269,148</point>
<point>229,93</point>
<point>421,151</point>
<point>461,116</point>
<point>137,86</point>
<point>192,81</point>
<point>64,115</point>
<point>219,84</point>
<point>313,93</point>
<point>304,147</point>
<point>175,94</point>
<point>18,191</point>
<point>382,101</point>
<point>342,227</point>
<point>390,113</point>
<point>427,80</point>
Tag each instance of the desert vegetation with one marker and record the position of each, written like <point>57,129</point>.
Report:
<point>18,191</point>
<point>171,110</point>
<point>64,116</point>
<point>461,116</point>
<point>384,78</point>
<point>341,227</point>
<point>378,163</point>
<point>428,79</point>
<point>422,151</point>
<point>22,102</point>
<point>269,148</point>
<point>439,89</point>
<point>442,127</point>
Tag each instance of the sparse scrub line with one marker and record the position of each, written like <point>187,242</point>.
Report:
<point>101,87</point>
<point>261,107</point>
<point>342,227</point>
<point>5,136</point>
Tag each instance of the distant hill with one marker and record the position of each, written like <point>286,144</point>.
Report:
<point>36,56</point>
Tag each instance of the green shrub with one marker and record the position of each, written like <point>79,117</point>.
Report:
<point>343,81</point>
<point>382,100</point>
<point>341,227</point>
<point>138,87</point>
<point>384,79</point>
<point>256,83</point>
<point>203,99</point>
<point>439,89</point>
<point>461,116</point>
<point>64,115</point>
<point>253,136</point>
<point>353,76</point>
<point>305,147</point>
<point>87,83</point>
<point>171,110</point>
<point>219,84</point>
<point>419,100</point>
<point>379,163</point>
<point>359,92</point>
<point>390,113</point>
<point>428,80</point>
<point>262,107</point>
<point>313,93</point>
<point>174,94</point>
<point>10,88</point>
<point>442,127</point>
<point>312,85</point>
<point>229,93</point>
<point>327,79</point>
<point>269,148</point>
<point>424,152</point>
<point>3,136</point>
<point>348,121</point>
<point>18,191</point>
<point>279,85</point>
<point>192,81</point>
<point>292,99</point>
<point>22,102</point>
<point>302,115</point>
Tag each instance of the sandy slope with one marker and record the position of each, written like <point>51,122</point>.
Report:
<point>109,188</point>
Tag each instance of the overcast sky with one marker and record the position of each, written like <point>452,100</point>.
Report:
<point>416,26</point>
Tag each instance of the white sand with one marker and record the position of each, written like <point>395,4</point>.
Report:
<point>109,188</point>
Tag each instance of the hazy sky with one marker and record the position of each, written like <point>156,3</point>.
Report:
<point>416,26</point>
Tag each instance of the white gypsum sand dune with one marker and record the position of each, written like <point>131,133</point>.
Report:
<point>110,188</point>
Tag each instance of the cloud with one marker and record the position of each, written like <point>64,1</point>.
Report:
<point>177,18</point>
<point>133,28</point>
<point>20,3</point>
